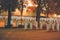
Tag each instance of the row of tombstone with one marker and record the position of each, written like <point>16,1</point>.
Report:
<point>48,22</point>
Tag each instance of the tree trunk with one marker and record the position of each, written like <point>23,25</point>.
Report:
<point>9,19</point>
<point>21,11</point>
<point>38,12</point>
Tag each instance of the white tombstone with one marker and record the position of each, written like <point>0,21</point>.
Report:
<point>31,24</point>
<point>41,25</point>
<point>36,24</point>
<point>11,21</point>
<point>53,26</point>
<point>25,24</point>
<point>5,22</point>
<point>58,26</point>
<point>16,22</point>
<point>48,25</point>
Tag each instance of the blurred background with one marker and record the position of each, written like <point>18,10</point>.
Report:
<point>26,9</point>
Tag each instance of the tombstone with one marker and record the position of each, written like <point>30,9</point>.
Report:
<point>5,23</point>
<point>57,26</point>
<point>30,24</point>
<point>48,25</point>
<point>53,25</point>
<point>41,25</point>
<point>25,24</point>
<point>12,22</point>
<point>36,24</point>
<point>16,22</point>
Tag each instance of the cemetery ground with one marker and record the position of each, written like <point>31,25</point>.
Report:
<point>21,34</point>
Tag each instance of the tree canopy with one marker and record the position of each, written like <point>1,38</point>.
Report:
<point>9,4</point>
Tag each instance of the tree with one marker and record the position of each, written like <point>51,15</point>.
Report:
<point>38,12</point>
<point>21,9</point>
<point>9,5</point>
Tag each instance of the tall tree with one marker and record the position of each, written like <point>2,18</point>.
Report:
<point>21,8</point>
<point>9,5</point>
<point>38,12</point>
